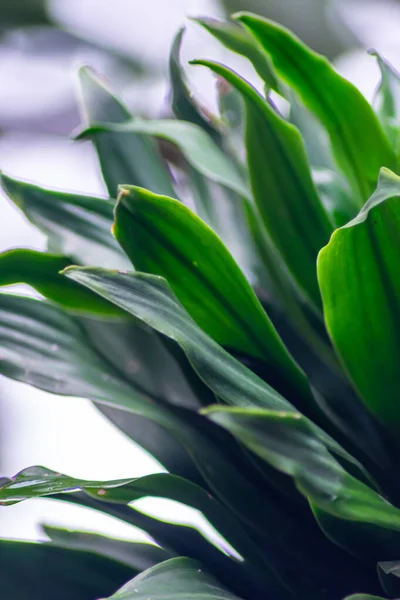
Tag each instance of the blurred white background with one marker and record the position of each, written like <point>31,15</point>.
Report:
<point>68,434</point>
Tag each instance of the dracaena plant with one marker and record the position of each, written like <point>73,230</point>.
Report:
<point>232,306</point>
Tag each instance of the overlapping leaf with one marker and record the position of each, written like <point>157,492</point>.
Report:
<point>130,158</point>
<point>163,237</point>
<point>42,272</point>
<point>197,147</point>
<point>286,441</point>
<point>360,286</point>
<point>282,185</point>
<point>238,40</point>
<point>77,226</point>
<point>359,151</point>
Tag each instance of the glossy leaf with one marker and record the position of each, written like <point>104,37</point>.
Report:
<point>77,226</point>
<point>286,441</point>
<point>137,556</point>
<point>175,579</point>
<point>42,272</point>
<point>282,185</point>
<point>37,482</point>
<point>163,237</point>
<point>360,287</point>
<point>70,366</point>
<point>151,300</point>
<point>387,101</point>
<point>359,151</point>
<point>29,571</point>
<point>237,39</point>
<point>196,146</point>
<point>130,159</point>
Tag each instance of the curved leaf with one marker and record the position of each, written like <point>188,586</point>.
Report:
<point>360,286</point>
<point>282,185</point>
<point>42,272</point>
<point>130,158</point>
<point>150,299</point>
<point>198,148</point>
<point>29,571</point>
<point>43,347</point>
<point>138,556</point>
<point>175,579</point>
<point>183,104</point>
<point>238,40</point>
<point>359,151</point>
<point>37,482</point>
<point>387,101</point>
<point>163,237</point>
<point>286,441</point>
<point>77,226</point>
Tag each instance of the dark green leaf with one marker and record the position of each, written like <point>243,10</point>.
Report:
<point>197,147</point>
<point>163,237</point>
<point>38,482</point>
<point>387,101</point>
<point>237,39</point>
<point>286,441</point>
<point>42,272</point>
<point>360,286</point>
<point>359,151</point>
<point>45,348</point>
<point>150,299</point>
<point>17,13</point>
<point>124,158</point>
<point>175,579</point>
<point>31,571</point>
<point>77,226</point>
<point>282,185</point>
<point>137,556</point>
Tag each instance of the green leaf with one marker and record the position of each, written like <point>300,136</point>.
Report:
<point>360,286</point>
<point>387,101</point>
<point>183,104</point>
<point>287,442</point>
<point>237,39</point>
<point>197,147</point>
<point>364,597</point>
<point>282,185</point>
<point>37,482</point>
<point>124,158</point>
<point>174,579</point>
<point>42,272</point>
<point>137,556</point>
<point>359,151</point>
<point>163,237</point>
<point>150,299</point>
<point>77,226</point>
<point>44,347</point>
<point>24,13</point>
<point>31,571</point>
